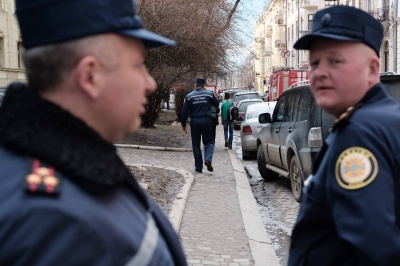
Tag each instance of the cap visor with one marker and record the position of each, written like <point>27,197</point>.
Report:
<point>305,42</point>
<point>150,39</point>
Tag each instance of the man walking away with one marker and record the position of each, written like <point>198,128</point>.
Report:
<point>226,123</point>
<point>166,101</point>
<point>198,104</point>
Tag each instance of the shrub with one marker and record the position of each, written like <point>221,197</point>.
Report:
<point>179,99</point>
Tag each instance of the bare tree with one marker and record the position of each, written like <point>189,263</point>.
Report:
<point>203,32</point>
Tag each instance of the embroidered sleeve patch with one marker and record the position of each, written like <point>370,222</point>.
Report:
<point>355,168</point>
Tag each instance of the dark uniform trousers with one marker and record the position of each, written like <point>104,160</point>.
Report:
<point>201,126</point>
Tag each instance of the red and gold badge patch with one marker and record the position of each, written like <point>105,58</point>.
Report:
<point>42,180</point>
<point>355,168</point>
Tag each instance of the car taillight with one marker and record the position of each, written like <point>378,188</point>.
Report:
<point>247,130</point>
<point>315,137</point>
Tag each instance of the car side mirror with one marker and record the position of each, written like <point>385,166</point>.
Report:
<point>264,118</point>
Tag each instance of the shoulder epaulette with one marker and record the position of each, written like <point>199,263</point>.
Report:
<point>343,118</point>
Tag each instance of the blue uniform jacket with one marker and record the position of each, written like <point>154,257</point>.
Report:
<point>350,213</point>
<point>198,103</point>
<point>66,198</point>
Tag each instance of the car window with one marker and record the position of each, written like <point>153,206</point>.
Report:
<point>304,108</point>
<point>296,106</point>
<point>289,107</point>
<point>393,88</point>
<point>243,105</point>
<point>246,97</point>
<point>279,110</point>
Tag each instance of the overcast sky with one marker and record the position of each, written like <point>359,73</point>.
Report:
<point>249,10</point>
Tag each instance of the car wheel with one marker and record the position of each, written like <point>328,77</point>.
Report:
<point>296,179</point>
<point>245,155</point>
<point>266,174</point>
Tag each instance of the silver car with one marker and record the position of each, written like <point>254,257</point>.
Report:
<point>251,126</point>
<point>242,106</point>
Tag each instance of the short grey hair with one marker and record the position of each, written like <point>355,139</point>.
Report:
<point>47,66</point>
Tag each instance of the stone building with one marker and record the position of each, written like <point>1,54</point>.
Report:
<point>11,48</point>
<point>284,21</point>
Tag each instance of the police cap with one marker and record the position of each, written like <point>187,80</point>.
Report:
<point>344,23</point>
<point>44,22</point>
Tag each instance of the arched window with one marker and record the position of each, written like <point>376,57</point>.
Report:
<point>386,57</point>
<point>2,53</point>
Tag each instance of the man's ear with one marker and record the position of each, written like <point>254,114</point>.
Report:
<point>88,76</point>
<point>374,66</point>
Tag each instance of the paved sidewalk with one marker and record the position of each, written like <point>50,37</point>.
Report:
<point>216,215</point>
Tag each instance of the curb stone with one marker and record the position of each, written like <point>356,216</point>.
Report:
<point>260,245</point>
<point>259,241</point>
<point>178,206</point>
<point>154,148</point>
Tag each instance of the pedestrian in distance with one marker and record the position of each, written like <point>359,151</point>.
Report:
<point>67,197</point>
<point>198,105</point>
<point>166,101</point>
<point>227,123</point>
<point>350,210</point>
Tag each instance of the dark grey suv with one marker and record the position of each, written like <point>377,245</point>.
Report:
<point>288,145</point>
<point>293,136</point>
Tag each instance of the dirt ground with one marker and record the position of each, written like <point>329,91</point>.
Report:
<point>163,185</point>
<point>166,133</point>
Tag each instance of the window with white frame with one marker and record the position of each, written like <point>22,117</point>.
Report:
<point>310,18</point>
<point>2,53</point>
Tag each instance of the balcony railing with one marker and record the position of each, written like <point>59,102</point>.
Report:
<point>381,14</point>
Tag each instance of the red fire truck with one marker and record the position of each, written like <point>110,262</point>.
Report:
<point>282,77</point>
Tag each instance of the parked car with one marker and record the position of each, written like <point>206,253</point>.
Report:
<point>245,95</point>
<point>392,84</point>
<point>242,110</point>
<point>294,134</point>
<point>251,126</point>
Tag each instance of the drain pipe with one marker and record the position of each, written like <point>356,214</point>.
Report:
<point>395,37</point>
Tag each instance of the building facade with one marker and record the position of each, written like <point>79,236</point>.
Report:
<point>285,21</point>
<point>11,48</point>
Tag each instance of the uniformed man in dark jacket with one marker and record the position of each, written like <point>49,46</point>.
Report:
<point>198,105</point>
<point>350,213</point>
<point>66,196</point>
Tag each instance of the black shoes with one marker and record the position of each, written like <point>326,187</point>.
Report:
<point>226,143</point>
<point>209,166</point>
<point>198,171</point>
<point>230,147</point>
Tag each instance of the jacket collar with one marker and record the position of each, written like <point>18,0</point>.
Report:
<point>34,127</point>
<point>377,92</point>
